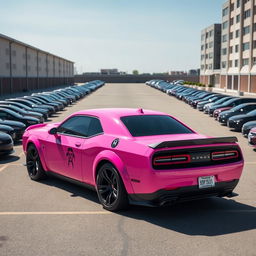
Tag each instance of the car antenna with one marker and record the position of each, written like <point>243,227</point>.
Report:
<point>141,110</point>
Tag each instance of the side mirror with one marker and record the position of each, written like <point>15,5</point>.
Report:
<point>53,131</point>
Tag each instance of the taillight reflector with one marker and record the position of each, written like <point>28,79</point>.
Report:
<point>224,155</point>
<point>172,159</point>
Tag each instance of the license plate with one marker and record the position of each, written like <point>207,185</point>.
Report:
<point>206,182</point>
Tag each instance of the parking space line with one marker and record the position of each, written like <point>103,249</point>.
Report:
<point>250,162</point>
<point>2,168</point>
<point>57,213</point>
<point>8,165</point>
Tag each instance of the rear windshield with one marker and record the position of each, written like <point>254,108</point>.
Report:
<point>149,125</point>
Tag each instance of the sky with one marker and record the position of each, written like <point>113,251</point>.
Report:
<point>144,35</point>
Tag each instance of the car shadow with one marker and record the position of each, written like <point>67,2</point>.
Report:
<point>74,190</point>
<point>208,217</point>
<point>8,159</point>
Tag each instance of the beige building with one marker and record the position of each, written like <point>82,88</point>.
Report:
<point>210,54</point>
<point>238,46</point>
<point>24,67</point>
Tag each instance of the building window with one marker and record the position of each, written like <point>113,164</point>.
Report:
<point>202,37</point>
<point>237,33</point>
<point>206,46</point>
<point>211,33</point>
<point>254,44</point>
<point>246,1</point>
<point>236,48</point>
<point>231,49</point>
<point>210,44</point>
<point>225,12</point>
<point>210,55</point>
<point>236,63</point>
<point>224,25</point>
<point>7,51</point>
<point>245,62</point>
<point>232,7</point>
<point>247,14</point>
<point>246,46</point>
<point>206,56</point>
<point>223,64</point>
<point>210,66</point>
<point>238,18</point>
<point>238,4</point>
<point>231,21</point>
<point>7,65</point>
<point>14,53</point>
<point>246,30</point>
<point>231,35</point>
<point>224,38</point>
<point>202,47</point>
<point>254,61</point>
<point>224,51</point>
<point>230,63</point>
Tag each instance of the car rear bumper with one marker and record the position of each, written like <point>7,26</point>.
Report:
<point>189,193</point>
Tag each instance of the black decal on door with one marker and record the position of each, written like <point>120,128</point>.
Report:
<point>71,157</point>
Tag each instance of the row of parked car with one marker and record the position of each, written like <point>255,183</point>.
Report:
<point>238,113</point>
<point>16,114</point>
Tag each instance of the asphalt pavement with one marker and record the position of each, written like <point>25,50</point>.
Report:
<point>54,217</point>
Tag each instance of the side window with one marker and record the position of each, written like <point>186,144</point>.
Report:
<point>84,126</point>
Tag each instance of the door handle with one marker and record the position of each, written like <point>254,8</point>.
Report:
<point>78,144</point>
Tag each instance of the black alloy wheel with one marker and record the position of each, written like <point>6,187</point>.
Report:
<point>110,188</point>
<point>34,165</point>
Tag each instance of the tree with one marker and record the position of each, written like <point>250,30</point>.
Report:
<point>135,72</point>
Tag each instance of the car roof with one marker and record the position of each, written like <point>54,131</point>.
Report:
<point>117,112</point>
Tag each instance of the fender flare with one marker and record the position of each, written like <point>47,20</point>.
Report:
<point>113,158</point>
<point>34,140</point>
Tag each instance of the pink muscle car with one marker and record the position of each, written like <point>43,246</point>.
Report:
<point>218,111</point>
<point>134,156</point>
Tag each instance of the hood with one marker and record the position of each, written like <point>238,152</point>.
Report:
<point>42,126</point>
<point>12,123</point>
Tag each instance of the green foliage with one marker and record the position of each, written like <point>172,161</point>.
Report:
<point>135,72</point>
<point>198,84</point>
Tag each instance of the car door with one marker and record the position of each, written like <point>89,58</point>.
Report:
<point>63,150</point>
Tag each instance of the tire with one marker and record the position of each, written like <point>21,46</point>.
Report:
<point>110,189</point>
<point>34,166</point>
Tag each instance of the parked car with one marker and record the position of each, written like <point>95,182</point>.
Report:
<point>24,112</point>
<point>18,127</point>
<point>9,130</point>
<point>134,155</point>
<point>252,137</point>
<point>6,144</point>
<point>236,122</point>
<point>231,103</point>
<point>11,115</point>
<point>247,127</point>
<point>238,110</point>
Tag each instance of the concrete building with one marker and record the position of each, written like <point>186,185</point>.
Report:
<point>238,56</point>
<point>238,49</point>
<point>210,54</point>
<point>24,67</point>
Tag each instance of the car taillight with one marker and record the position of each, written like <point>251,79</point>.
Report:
<point>224,155</point>
<point>172,159</point>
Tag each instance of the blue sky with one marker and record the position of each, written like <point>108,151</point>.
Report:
<point>147,35</point>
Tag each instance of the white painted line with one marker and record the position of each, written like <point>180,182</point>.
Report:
<point>250,162</point>
<point>2,168</point>
<point>56,213</point>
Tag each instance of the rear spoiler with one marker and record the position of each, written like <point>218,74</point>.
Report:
<point>195,142</point>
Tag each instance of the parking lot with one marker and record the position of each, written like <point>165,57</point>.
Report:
<point>54,217</point>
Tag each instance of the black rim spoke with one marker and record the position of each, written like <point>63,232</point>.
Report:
<point>32,162</point>
<point>108,186</point>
